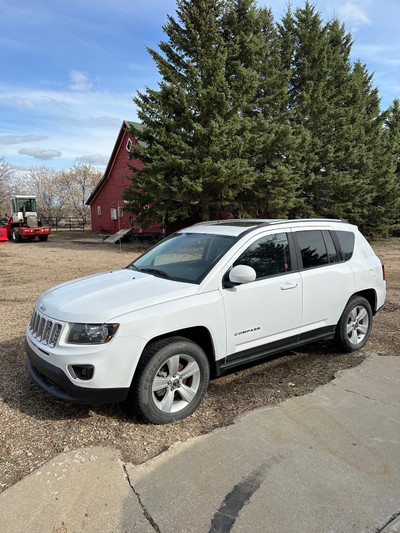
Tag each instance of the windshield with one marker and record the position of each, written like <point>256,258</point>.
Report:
<point>28,203</point>
<point>184,256</point>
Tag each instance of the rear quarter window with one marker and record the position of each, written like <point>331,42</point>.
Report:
<point>346,241</point>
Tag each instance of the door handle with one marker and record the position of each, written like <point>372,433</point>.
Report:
<point>289,285</point>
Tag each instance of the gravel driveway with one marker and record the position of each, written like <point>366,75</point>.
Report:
<point>34,426</point>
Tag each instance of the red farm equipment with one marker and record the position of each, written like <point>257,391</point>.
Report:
<point>23,223</point>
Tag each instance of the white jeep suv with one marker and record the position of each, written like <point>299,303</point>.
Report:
<point>209,298</point>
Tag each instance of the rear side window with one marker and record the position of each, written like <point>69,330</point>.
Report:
<point>346,241</point>
<point>269,256</point>
<point>331,248</point>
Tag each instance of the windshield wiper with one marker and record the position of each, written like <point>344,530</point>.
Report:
<point>154,271</point>
<point>132,267</point>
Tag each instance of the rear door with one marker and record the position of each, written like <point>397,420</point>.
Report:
<point>327,280</point>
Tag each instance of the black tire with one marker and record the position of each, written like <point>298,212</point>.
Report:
<point>43,238</point>
<point>16,237</point>
<point>355,324</point>
<point>182,371</point>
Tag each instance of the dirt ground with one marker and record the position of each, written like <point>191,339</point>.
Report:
<point>34,427</point>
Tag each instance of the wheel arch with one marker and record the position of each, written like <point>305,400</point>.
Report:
<point>371,296</point>
<point>197,334</point>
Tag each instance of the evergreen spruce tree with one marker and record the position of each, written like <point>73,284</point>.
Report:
<point>363,153</point>
<point>384,210</point>
<point>337,116</point>
<point>304,52</point>
<point>192,145</point>
<point>254,117</point>
<point>318,57</point>
<point>259,88</point>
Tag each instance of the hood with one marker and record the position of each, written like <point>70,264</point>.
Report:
<point>102,297</point>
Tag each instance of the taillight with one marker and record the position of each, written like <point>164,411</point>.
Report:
<point>383,270</point>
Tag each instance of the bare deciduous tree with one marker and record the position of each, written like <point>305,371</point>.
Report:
<point>59,193</point>
<point>7,175</point>
<point>79,181</point>
<point>51,193</point>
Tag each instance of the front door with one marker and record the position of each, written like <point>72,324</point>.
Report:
<point>267,310</point>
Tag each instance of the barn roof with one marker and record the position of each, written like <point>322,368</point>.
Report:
<point>124,127</point>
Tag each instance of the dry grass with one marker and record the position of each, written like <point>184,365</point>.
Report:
<point>34,426</point>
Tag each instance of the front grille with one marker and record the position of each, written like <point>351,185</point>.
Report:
<point>44,330</point>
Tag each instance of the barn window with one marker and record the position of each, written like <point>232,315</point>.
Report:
<point>113,213</point>
<point>120,212</point>
<point>129,145</point>
<point>99,210</point>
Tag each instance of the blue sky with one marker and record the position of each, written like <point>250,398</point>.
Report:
<point>69,69</point>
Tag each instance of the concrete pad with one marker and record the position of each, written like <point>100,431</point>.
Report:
<point>393,527</point>
<point>84,490</point>
<point>324,462</point>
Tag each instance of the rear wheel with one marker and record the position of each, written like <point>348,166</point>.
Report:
<point>170,381</point>
<point>354,327</point>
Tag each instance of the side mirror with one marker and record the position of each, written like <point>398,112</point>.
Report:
<point>242,274</point>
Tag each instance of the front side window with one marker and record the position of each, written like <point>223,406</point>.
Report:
<point>184,256</point>
<point>269,256</point>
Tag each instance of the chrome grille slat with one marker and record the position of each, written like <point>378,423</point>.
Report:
<point>55,334</point>
<point>40,328</point>
<point>44,330</point>
<point>36,323</point>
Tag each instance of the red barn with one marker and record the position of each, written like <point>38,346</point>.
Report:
<point>106,202</point>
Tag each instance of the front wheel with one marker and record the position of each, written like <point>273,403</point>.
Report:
<point>170,381</point>
<point>354,326</point>
<point>16,237</point>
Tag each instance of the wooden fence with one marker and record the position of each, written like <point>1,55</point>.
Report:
<point>65,223</point>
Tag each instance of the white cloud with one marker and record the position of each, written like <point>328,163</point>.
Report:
<point>79,123</point>
<point>21,139</point>
<point>105,121</point>
<point>93,159</point>
<point>354,12</point>
<point>79,81</point>
<point>18,102</point>
<point>44,155</point>
<point>379,53</point>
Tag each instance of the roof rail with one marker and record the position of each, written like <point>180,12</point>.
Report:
<point>267,222</point>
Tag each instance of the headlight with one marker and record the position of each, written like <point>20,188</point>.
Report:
<point>91,333</point>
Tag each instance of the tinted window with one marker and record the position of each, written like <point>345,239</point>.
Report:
<point>268,256</point>
<point>312,247</point>
<point>346,241</point>
<point>331,248</point>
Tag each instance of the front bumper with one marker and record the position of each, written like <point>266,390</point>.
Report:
<point>54,380</point>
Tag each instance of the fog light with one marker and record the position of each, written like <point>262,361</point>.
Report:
<point>84,372</point>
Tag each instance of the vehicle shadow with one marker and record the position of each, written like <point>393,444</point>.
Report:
<point>240,389</point>
<point>19,391</point>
